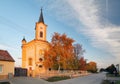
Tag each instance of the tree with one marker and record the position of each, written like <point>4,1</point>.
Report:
<point>60,53</point>
<point>111,69</point>
<point>82,64</point>
<point>79,59</point>
<point>91,67</point>
<point>102,70</point>
<point>78,50</point>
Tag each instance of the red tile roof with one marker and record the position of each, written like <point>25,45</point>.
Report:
<point>5,56</point>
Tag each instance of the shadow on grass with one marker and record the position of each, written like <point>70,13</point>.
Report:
<point>57,78</point>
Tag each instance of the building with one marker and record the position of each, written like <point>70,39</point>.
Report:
<point>33,51</point>
<point>6,64</point>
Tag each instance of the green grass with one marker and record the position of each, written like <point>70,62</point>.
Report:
<point>108,82</point>
<point>117,82</point>
<point>4,83</point>
<point>105,82</point>
<point>57,78</point>
<point>111,75</point>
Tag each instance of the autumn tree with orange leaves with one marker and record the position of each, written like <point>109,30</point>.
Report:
<point>60,53</point>
<point>82,63</point>
<point>91,67</point>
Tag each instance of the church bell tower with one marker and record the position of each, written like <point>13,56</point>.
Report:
<point>40,29</point>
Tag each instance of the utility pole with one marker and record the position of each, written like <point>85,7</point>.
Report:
<point>19,61</point>
<point>117,66</point>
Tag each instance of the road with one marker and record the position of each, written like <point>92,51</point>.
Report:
<point>91,79</point>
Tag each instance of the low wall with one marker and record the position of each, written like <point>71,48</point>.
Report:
<point>2,77</point>
<point>70,73</point>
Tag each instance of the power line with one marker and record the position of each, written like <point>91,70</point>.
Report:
<point>106,12</point>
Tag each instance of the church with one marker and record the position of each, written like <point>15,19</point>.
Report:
<point>33,51</point>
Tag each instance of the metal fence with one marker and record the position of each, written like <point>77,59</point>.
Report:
<point>20,72</point>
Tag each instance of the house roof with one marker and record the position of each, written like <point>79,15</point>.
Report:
<point>5,56</point>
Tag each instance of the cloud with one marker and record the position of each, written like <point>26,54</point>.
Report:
<point>101,36</point>
<point>90,19</point>
<point>6,47</point>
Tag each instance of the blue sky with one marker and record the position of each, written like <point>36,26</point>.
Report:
<point>93,23</point>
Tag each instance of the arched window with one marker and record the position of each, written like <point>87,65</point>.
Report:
<point>41,34</point>
<point>30,61</point>
<point>40,59</point>
<point>40,66</point>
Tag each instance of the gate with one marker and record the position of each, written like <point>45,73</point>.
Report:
<point>20,72</point>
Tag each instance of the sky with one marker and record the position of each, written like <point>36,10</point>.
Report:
<point>95,24</point>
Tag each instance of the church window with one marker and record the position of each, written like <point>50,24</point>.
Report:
<point>30,61</point>
<point>40,59</point>
<point>41,34</point>
<point>30,68</point>
<point>40,66</point>
<point>40,52</point>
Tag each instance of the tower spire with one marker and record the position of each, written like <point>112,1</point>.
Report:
<point>41,19</point>
<point>24,40</point>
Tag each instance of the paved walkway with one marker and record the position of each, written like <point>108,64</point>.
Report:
<point>91,79</point>
<point>27,80</point>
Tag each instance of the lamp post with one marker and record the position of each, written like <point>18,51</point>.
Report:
<point>85,65</point>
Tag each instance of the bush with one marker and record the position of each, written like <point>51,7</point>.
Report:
<point>57,78</point>
<point>112,69</point>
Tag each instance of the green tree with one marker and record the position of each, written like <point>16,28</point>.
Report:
<point>111,69</point>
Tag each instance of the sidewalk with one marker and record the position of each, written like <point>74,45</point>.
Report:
<point>27,80</point>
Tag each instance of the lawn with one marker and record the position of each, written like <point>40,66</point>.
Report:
<point>117,82</point>
<point>57,78</point>
<point>105,82</point>
<point>111,75</point>
<point>108,82</point>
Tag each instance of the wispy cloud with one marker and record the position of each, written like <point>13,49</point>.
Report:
<point>6,47</point>
<point>88,18</point>
<point>102,36</point>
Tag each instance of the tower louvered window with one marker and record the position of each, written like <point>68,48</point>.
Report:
<point>41,34</point>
